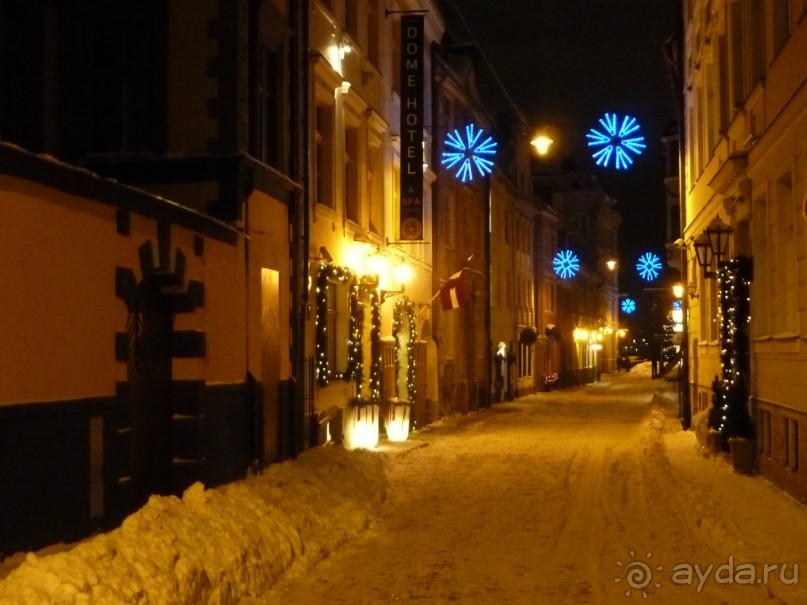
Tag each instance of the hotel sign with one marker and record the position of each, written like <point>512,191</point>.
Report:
<point>411,198</point>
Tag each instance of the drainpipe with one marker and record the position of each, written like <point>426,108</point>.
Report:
<point>299,232</point>
<point>488,402</point>
<point>674,56</point>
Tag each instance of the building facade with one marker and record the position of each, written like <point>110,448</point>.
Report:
<point>188,271</point>
<point>235,236</point>
<point>513,329</point>
<point>578,217</point>
<point>745,105</point>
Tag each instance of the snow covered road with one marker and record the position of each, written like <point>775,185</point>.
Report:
<point>593,495</point>
<point>587,495</point>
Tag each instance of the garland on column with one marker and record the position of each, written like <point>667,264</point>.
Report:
<point>729,414</point>
<point>375,346</point>
<point>404,305</point>
<point>327,274</point>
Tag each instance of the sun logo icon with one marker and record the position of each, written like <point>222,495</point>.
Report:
<point>638,574</point>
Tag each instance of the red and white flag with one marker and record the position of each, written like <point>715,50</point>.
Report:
<point>453,294</point>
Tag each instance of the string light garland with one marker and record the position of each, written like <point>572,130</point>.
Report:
<point>375,346</point>
<point>729,414</point>
<point>403,307</point>
<point>326,275</point>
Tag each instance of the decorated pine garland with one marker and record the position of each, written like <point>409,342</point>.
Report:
<point>404,305</point>
<point>729,414</point>
<point>325,373</point>
<point>375,346</point>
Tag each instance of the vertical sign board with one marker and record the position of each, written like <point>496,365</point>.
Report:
<point>411,211</point>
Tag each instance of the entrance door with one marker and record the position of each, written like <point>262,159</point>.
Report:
<point>270,363</point>
<point>150,329</point>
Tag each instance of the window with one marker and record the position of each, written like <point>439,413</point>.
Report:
<point>268,131</point>
<point>396,63</point>
<point>338,323</point>
<point>724,98</point>
<point>324,154</point>
<point>712,109</point>
<point>786,299</point>
<point>372,32</point>
<point>125,88</point>
<point>781,24</point>
<point>352,18</point>
<point>509,292</point>
<point>450,222</point>
<point>551,296</point>
<point>375,188</point>
<point>791,444</point>
<point>710,327</point>
<point>766,433</point>
<point>756,41</point>
<point>735,27</point>
<point>760,286</point>
<point>352,170</point>
<point>524,360</point>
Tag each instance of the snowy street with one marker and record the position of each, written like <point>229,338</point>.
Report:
<point>586,495</point>
<point>543,500</point>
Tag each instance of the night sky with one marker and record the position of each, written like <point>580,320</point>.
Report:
<point>565,63</point>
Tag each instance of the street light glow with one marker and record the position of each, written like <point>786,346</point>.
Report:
<point>542,143</point>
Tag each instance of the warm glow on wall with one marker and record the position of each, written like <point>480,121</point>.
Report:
<point>355,255</point>
<point>404,273</point>
<point>376,264</point>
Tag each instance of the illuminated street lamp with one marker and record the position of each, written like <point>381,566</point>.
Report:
<point>542,143</point>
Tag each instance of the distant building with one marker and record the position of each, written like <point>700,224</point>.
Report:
<point>585,305</point>
<point>512,275</point>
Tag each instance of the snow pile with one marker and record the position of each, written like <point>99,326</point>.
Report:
<point>214,546</point>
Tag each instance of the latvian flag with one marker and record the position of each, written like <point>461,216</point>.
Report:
<point>452,294</point>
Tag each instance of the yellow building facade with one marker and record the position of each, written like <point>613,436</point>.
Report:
<point>745,162</point>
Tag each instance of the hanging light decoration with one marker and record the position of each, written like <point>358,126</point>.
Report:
<point>628,306</point>
<point>404,307</point>
<point>468,152</point>
<point>648,266</point>
<point>566,264</point>
<point>616,141</point>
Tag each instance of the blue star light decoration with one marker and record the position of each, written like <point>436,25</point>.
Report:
<point>617,141</point>
<point>566,264</point>
<point>628,306</point>
<point>469,152</point>
<point>676,305</point>
<point>649,266</point>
